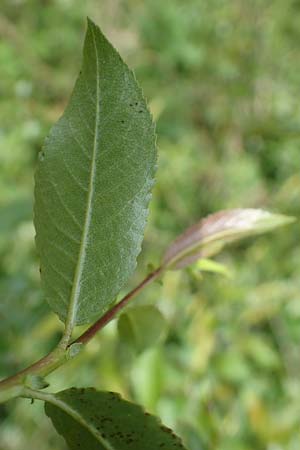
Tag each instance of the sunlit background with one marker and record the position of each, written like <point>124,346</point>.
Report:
<point>222,80</point>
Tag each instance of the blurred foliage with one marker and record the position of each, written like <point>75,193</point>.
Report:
<point>222,79</point>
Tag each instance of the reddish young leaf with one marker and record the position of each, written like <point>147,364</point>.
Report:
<point>209,236</point>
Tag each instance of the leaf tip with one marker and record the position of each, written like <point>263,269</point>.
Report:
<point>90,22</point>
<point>208,237</point>
<point>269,221</point>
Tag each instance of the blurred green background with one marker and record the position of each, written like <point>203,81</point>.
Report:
<point>223,81</point>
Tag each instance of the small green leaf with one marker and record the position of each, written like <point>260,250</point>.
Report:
<point>92,186</point>
<point>209,236</point>
<point>94,420</point>
<point>208,265</point>
<point>141,327</point>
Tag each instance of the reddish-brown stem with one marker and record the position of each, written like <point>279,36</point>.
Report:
<point>113,311</point>
<point>59,355</point>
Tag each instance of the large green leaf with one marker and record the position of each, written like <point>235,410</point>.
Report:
<point>93,184</point>
<point>94,420</point>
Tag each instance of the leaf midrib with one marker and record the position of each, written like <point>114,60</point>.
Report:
<point>56,401</point>
<point>75,293</point>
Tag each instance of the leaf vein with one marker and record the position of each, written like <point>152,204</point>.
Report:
<point>75,293</point>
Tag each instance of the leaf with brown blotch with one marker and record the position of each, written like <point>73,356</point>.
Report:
<point>98,420</point>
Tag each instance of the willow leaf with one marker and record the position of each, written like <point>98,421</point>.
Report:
<point>95,420</point>
<point>208,237</point>
<point>92,186</point>
<point>141,327</point>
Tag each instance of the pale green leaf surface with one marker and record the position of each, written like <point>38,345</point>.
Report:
<point>208,237</point>
<point>208,265</point>
<point>93,184</point>
<point>141,327</point>
<point>93,420</point>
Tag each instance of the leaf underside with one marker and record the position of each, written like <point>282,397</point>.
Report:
<point>208,237</point>
<point>93,420</point>
<point>92,186</point>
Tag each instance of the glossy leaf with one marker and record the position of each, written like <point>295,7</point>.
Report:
<point>94,420</point>
<point>209,236</point>
<point>141,326</point>
<point>93,184</point>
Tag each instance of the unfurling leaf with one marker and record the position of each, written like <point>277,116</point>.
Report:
<point>141,326</point>
<point>93,184</point>
<point>209,236</point>
<point>94,420</point>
